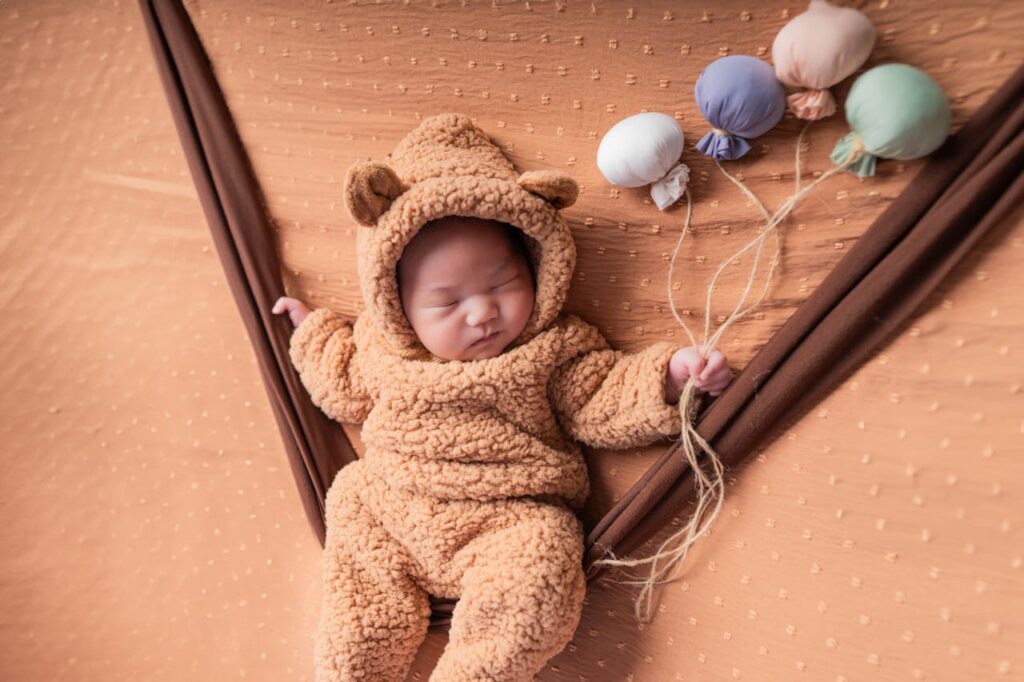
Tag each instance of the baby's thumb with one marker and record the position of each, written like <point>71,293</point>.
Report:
<point>694,365</point>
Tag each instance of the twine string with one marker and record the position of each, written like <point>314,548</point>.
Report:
<point>710,485</point>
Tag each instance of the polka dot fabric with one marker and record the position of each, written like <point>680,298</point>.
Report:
<point>152,528</point>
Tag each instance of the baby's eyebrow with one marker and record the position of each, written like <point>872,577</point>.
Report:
<point>501,265</point>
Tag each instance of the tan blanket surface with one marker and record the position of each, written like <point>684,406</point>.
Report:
<point>151,526</point>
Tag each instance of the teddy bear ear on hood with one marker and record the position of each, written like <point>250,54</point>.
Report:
<point>370,187</point>
<point>557,188</point>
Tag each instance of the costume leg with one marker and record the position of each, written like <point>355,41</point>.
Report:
<point>522,594</point>
<point>373,617</point>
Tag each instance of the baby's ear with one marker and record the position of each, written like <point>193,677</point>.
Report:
<point>558,188</point>
<point>370,187</point>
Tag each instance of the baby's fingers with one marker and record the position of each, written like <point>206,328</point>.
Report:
<point>715,385</point>
<point>686,362</point>
<point>282,305</point>
<point>713,366</point>
<point>718,384</point>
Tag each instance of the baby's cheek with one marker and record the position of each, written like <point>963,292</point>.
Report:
<point>452,332</point>
<point>526,303</point>
<point>425,323</point>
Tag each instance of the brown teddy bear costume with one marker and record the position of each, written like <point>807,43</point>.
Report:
<point>471,477</point>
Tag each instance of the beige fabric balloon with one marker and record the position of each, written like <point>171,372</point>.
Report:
<point>816,50</point>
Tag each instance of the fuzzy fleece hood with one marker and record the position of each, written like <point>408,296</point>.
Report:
<point>495,428</point>
<point>447,166</point>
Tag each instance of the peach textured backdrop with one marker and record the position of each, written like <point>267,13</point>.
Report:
<point>152,530</point>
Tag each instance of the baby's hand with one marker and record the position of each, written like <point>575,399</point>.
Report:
<point>712,376</point>
<point>295,308</point>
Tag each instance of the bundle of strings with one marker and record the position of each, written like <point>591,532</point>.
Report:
<point>709,473</point>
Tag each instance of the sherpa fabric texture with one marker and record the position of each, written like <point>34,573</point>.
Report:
<point>472,471</point>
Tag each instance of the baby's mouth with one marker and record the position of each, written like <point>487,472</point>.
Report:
<point>485,339</point>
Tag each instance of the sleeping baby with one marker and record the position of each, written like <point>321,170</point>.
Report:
<point>474,390</point>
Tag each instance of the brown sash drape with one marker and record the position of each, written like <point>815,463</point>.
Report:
<point>965,189</point>
<point>242,232</point>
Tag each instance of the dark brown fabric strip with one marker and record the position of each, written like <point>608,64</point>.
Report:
<point>317,447</point>
<point>231,198</point>
<point>966,189</point>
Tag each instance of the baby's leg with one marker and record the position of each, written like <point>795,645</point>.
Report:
<point>522,593</point>
<point>373,617</point>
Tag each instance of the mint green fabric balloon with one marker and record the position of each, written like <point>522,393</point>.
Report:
<point>896,112</point>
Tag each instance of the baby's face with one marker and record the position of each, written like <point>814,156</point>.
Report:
<point>466,290</point>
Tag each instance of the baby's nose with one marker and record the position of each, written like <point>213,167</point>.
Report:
<point>481,311</point>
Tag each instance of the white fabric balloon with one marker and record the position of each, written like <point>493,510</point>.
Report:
<point>645,149</point>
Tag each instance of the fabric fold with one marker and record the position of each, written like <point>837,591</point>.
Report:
<point>670,188</point>
<point>231,199</point>
<point>863,166</point>
<point>723,147</point>
<point>811,105</point>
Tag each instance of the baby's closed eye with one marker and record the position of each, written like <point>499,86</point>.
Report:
<point>443,303</point>
<point>498,286</point>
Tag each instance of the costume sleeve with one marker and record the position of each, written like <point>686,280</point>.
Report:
<point>323,350</point>
<point>612,399</point>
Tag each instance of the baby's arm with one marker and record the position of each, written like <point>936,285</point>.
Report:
<point>612,399</point>
<point>323,350</point>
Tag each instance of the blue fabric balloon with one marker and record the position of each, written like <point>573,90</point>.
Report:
<point>741,98</point>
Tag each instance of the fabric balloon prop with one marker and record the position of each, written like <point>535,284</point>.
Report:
<point>908,134</point>
<point>816,50</point>
<point>741,99</point>
<point>644,150</point>
<point>896,112</point>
